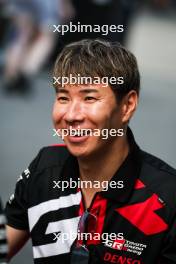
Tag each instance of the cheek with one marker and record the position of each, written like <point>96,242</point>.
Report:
<point>108,117</point>
<point>101,114</point>
<point>57,113</point>
<point>98,112</point>
<point>116,118</point>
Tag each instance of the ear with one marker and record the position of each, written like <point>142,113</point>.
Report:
<point>129,105</point>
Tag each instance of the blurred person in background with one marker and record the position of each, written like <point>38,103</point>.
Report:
<point>3,241</point>
<point>2,23</point>
<point>101,12</point>
<point>31,39</point>
<point>163,4</point>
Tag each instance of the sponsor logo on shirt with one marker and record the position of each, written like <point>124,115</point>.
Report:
<point>113,258</point>
<point>126,245</point>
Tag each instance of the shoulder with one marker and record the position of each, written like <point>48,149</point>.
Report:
<point>159,177</point>
<point>158,164</point>
<point>50,156</point>
<point>39,175</point>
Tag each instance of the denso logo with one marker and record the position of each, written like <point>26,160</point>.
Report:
<point>113,258</point>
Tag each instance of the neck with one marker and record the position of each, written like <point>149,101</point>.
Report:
<point>107,164</point>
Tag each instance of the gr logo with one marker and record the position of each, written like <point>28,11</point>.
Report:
<point>115,244</point>
<point>42,226</point>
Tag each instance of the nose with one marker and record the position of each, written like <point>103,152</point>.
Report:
<point>74,113</point>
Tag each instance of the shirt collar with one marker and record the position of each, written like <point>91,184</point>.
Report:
<point>128,172</point>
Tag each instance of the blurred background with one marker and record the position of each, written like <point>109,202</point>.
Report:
<point>28,48</point>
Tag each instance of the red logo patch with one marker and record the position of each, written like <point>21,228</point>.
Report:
<point>143,216</point>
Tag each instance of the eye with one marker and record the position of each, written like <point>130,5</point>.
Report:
<point>90,98</point>
<point>62,99</point>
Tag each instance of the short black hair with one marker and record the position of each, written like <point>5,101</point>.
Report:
<point>100,58</point>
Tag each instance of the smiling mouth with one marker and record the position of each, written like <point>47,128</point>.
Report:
<point>78,136</point>
<point>80,133</point>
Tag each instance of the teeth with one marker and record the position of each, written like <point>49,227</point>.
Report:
<point>75,133</point>
<point>79,133</point>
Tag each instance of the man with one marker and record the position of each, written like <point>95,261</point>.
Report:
<point>125,210</point>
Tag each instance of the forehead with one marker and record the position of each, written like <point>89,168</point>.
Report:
<point>87,88</point>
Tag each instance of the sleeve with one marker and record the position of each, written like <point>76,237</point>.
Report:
<point>16,207</point>
<point>168,253</point>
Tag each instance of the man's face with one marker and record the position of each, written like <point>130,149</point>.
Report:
<point>87,107</point>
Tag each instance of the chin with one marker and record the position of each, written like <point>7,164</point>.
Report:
<point>79,151</point>
<point>83,150</point>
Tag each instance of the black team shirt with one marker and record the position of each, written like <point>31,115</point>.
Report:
<point>141,216</point>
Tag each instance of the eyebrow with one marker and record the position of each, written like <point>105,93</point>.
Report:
<point>60,90</point>
<point>63,90</point>
<point>88,91</point>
